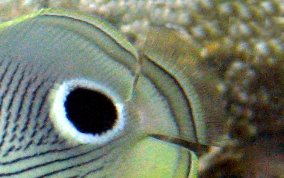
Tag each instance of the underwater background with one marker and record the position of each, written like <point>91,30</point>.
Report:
<point>241,42</point>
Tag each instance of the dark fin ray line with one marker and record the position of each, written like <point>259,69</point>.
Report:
<point>180,89</point>
<point>196,147</point>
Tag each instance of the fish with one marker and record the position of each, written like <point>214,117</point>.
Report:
<point>77,99</point>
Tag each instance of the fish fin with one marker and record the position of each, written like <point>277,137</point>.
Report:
<point>172,52</point>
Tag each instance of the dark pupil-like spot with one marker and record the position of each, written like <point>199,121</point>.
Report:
<point>90,111</point>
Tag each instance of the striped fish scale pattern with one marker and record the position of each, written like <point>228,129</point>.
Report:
<point>22,106</point>
<point>26,129</point>
<point>29,143</point>
<point>46,56</point>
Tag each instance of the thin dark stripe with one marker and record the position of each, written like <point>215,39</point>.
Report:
<point>73,176</point>
<point>41,111</point>
<point>45,128</point>
<point>6,68</point>
<point>38,154</point>
<point>57,140</point>
<point>2,77</point>
<point>19,114</point>
<point>5,71</point>
<point>18,109</point>
<point>49,162</point>
<point>23,100</point>
<point>15,90</point>
<point>61,150</point>
<point>40,141</point>
<point>9,151</point>
<point>61,160</point>
<point>13,136</point>
<point>74,166</point>
<point>29,144</point>
<point>18,148</point>
<point>45,136</point>
<point>182,92</point>
<point>192,146</point>
<point>4,96</point>
<point>89,172</point>
<point>39,99</point>
<point>1,63</point>
<point>42,100</point>
<point>27,120</point>
<point>26,123</point>
<point>34,80</point>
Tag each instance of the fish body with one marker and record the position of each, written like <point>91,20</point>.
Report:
<point>78,101</point>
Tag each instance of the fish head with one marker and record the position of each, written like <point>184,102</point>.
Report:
<point>78,100</point>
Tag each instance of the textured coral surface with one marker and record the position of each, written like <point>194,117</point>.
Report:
<point>241,41</point>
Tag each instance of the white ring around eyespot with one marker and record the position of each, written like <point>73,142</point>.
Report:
<point>67,129</point>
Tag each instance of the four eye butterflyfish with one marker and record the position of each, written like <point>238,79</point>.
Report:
<point>78,100</point>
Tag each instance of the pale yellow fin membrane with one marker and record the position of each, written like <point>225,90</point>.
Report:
<point>153,158</point>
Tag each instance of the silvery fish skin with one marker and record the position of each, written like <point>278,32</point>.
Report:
<point>48,55</point>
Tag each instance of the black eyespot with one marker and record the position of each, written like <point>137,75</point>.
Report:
<point>90,111</point>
